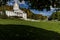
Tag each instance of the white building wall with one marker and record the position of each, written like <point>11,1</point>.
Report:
<point>24,16</point>
<point>10,13</point>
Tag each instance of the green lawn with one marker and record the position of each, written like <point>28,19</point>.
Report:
<point>15,29</point>
<point>48,25</point>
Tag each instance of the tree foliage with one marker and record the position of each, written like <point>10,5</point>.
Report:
<point>3,2</point>
<point>55,16</point>
<point>41,4</point>
<point>38,4</point>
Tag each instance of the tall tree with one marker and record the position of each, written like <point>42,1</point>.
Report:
<point>2,3</point>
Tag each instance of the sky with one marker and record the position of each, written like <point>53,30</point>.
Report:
<point>25,5</point>
<point>44,12</point>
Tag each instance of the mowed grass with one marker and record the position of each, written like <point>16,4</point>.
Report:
<point>48,25</point>
<point>16,29</point>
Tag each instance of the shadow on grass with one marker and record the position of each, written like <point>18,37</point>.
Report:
<point>25,32</point>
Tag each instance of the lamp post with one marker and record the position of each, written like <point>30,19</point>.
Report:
<point>55,7</point>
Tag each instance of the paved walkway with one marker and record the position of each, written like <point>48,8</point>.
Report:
<point>32,20</point>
